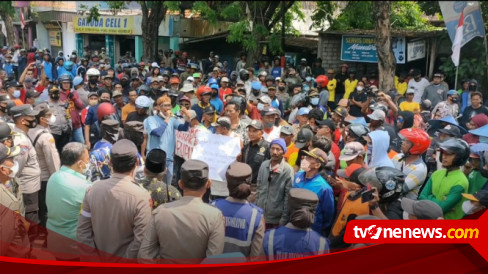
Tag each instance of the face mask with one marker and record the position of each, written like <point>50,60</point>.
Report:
<point>405,215</point>
<point>268,125</point>
<point>454,100</point>
<point>359,88</point>
<point>52,120</point>
<point>55,96</point>
<point>14,170</point>
<point>93,102</point>
<point>85,170</point>
<point>314,101</point>
<point>3,109</point>
<point>255,92</point>
<point>260,106</point>
<point>93,81</point>
<point>469,208</point>
<point>104,101</point>
<point>32,124</point>
<point>306,88</point>
<point>17,93</point>
<point>472,88</point>
<point>305,165</point>
<point>155,112</point>
<point>281,88</point>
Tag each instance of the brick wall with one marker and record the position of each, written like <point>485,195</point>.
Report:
<point>330,52</point>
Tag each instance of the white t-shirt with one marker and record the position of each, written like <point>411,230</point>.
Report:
<point>275,133</point>
<point>418,87</point>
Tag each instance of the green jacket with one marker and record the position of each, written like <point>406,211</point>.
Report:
<point>476,181</point>
<point>445,190</point>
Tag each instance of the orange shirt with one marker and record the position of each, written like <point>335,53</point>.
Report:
<point>291,154</point>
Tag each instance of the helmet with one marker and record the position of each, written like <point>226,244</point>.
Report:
<point>68,65</point>
<point>269,78</point>
<point>205,90</point>
<point>143,102</point>
<point>105,109</point>
<point>5,131</point>
<point>144,89</point>
<point>263,73</point>
<point>379,106</point>
<point>359,130</point>
<point>93,72</point>
<point>388,180</point>
<point>256,85</point>
<point>419,138</point>
<point>212,81</point>
<point>322,80</point>
<point>65,78</point>
<point>244,75</point>
<point>214,86</point>
<point>458,147</point>
<point>174,80</point>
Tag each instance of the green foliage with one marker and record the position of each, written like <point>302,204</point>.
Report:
<point>359,15</point>
<point>469,64</point>
<point>205,11</point>
<point>116,6</point>
<point>323,14</point>
<point>233,11</point>
<point>7,8</point>
<point>172,5</point>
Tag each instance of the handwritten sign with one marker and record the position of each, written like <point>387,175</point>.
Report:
<point>185,142</point>
<point>218,152</point>
<point>363,49</point>
<point>104,25</point>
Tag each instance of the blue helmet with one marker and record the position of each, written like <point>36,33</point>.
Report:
<point>214,86</point>
<point>212,81</point>
<point>256,85</point>
<point>68,65</point>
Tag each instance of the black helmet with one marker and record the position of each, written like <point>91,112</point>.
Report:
<point>358,131</point>
<point>65,78</point>
<point>388,180</point>
<point>244,75</point>
<point>458,147</point>
<point>269,78</point>
<point>240,102</point>
<point>5,131</point>
<point>144,90</point>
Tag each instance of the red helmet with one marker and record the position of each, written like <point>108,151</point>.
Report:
<point>322,80</point>
<point>419,138</point>
<point>174,80</point>
<point>105,109</point>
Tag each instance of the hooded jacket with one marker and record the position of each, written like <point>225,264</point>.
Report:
<point>379,149</point>
<point>479,120</point>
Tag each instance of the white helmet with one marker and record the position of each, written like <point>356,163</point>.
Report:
<point>263,73</point>
<point>93,72</point>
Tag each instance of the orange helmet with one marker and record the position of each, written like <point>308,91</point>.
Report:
<point>174,80</point>
<point>203,90</point>
<point>419,138</point>
<point>322,80</point>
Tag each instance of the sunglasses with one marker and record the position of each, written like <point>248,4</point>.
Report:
<point>400,120</point>
<point>166,105</point>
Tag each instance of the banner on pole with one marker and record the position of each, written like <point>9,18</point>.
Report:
<point>473,22</point>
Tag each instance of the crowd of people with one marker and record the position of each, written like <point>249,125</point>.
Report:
<point>87,155</point>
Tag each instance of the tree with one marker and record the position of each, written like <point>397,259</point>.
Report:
<point>116,6</point>
<point>6,12</point>
<point>386,58</point>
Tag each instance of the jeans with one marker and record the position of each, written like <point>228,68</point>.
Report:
<point>78,136</point>
<point>169,175</point>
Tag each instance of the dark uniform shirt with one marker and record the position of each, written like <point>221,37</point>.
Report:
<point>254,156</point>
<point>134,116</point>
<point>358,97</point>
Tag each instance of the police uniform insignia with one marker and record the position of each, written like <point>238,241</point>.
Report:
<point>24,149</point>
<point>262,149</point>
<point>51,140</point>
<point>390,185</point>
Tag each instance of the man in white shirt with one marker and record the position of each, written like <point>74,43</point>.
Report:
<point>271,131</point>
<point>418,83</point>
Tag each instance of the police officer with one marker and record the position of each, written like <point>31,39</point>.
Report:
<point>13,234</point>
<point>47,154</point>
<point>296,239</point>
<point>255,152</point>
<point>152,179</point>
<point>61,129</point>
<point>244,222</point>
<point>115,211</point>
<point>29,174</point>
<point>4,101</point>
<point>188,228</point>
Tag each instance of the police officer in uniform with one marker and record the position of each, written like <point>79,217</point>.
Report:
<point>115,211</point>
<point>296,238</point>
<point>61,129</point>
<point>244,222</point>
<point>255,153</point>
<point>13,234</point>
<point>47,154</point>
<point>29,174</point>
<point>187,230</point>
<point>152,179</point>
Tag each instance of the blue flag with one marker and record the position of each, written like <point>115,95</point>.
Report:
<point>473,22</point>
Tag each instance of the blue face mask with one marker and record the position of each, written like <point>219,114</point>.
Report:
<point>17,93</point>
<point>314,101</point>
<point>306,88</point>
<point>484,140</point>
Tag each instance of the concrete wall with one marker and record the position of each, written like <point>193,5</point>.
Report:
<point>42,36</point>
<point>69,38</point>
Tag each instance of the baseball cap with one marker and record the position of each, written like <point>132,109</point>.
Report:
<point>451,130</point>
<point>193,170</point>
<point>287,130</point>
<point>480,196</point>
<point>437,75</point>
<point>303,111</point>
<point>256,124</point>
<point>185,98</point>
<point>222,122</point>
<point>193,114</point>
<point>341,111</point>
<point>209,110</point>
<point>239,82</point>
<point>451,92</point>
<point>197,75</point>
<point>303,137</point>
<point>422,209</point>
<point>265,99</point>
<point>23,110</point>
<point>351,172</point>
<point>318,154</point>
<point>224,79</point>
<point>116,93</point>
<point>377,115</point>
<point>6,152</point>
<point>44,109</point>
<point>410,91</point>
<point>32,94</point>
<point>351,151</point>
<point>327,122</point>
<point>12,84</point>
<point>77,81</point>
<point>271,111</point>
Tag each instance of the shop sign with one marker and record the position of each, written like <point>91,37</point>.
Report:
<point>363,49</point>
<point>112,25</point>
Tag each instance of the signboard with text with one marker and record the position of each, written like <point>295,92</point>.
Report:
<point>416,50</point>
<point>55,38</point>
<point>111,25</point>
<point>356,48</point>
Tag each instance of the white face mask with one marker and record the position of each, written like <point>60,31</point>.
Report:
<point>84,171</point>
<point>52,120</point>
<point>260,106</point>
<point>155,112</point>
<point>14,170</point>
<point>470,208</point>
<point>305,165</point>
<point>405,215</point>
<point>359,88</point>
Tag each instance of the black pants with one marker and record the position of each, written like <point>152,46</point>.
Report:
<point>31,202</point>
<point>61,141</point>
<point>178,162</point>
<point>42,205</point>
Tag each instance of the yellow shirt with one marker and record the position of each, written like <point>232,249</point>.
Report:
<point>400,87</point>
<point>291,155</point>
<point>126,110</point>
<point>349,87</point>
<point>331,86</point>
<point>409,106</point>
